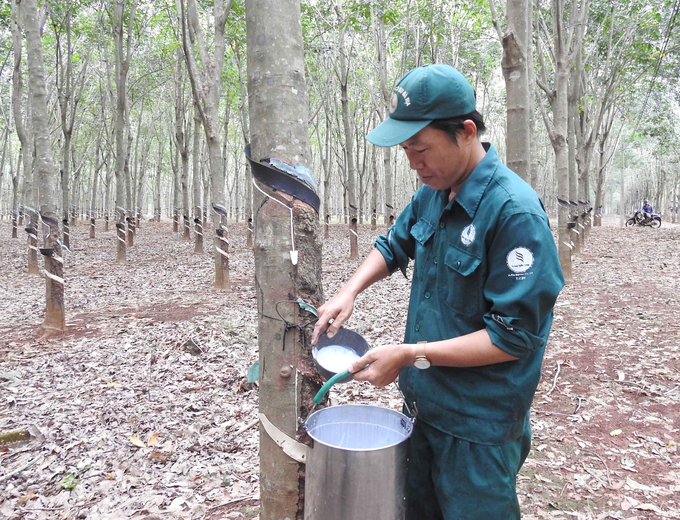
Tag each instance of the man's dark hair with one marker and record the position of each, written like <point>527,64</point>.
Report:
<point>454,126</point>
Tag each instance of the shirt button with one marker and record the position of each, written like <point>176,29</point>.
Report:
<point>427,295</point>
<point>436,261</point>
<point>458,264</point>
<point>442,225</point>
<point>417,327</point>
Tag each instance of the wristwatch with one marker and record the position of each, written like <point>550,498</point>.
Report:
<point>421,360</point>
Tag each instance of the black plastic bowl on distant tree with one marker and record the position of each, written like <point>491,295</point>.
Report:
<point>347,339</point>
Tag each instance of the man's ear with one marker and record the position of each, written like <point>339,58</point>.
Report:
<point>470,129</point>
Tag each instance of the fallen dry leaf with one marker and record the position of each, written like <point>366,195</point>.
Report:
<point>137,441</point>
<point>121,366</point>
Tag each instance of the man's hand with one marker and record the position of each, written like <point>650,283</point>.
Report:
<point>338,309</point>
<point>385,363</point>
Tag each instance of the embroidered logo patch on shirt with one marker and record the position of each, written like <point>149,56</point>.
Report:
<point>520,260</point>
<point>468,235</point>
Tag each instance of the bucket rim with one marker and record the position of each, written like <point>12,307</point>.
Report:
<point>404,417</point>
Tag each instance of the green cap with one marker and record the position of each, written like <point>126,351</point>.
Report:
<point>421,96</point>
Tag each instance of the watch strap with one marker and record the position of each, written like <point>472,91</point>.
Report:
<point>420,352</point>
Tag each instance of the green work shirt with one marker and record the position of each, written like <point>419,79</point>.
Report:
<point>485,260</point>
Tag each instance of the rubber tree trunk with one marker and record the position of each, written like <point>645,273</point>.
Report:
<point>176,189</point>
<point>16,212</point>
<point>122,65</point>
<point>380,40</point>
<point>3,158</point>
<point>622,192</point>
<point>562,170</point>
<point>245,127</point>
<point>515,72</point>
<point>237,191</point>
<point>599,183</point>
<point>157,184</point>
<point>249,208</point>
<point>327,179</point>
<point>674,202</point>
<point>349,151</point>
<point>107,196</point>
<point>206,88</point>
<point>205,177</point>
<point>65,106</point>
<point>533,170</point>
<point>129,201</point>
<point>26,139</point>
<point>576,233</point>
<point>93,199</point>
<point>374,189</point>
<point>139,181</point>
<point>558,137</point>
<point>278,125</point>
<point>44,168</point>
<point>184,154</point>
<point>196,160</point>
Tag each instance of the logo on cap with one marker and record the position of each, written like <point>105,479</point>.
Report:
<point>394,102</point>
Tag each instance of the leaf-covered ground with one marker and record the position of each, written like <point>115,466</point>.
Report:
<point>143,409</point>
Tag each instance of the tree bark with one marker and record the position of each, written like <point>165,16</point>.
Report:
<point>560,145</point>
<point>122,66</point>
<point>380,40</point>
<point>5,138</point>
<point>514,64</point>
<point>44,168</point>
<point>564,48</point>
<point>245,127</point>
<point>576,233</point>
<point>278,123</point>
<point>206,87</point>
<point>140,170</point>
<point>26,139</point>
<point>68,103</point>
<point>95,178</point>
<point>107,196</point>
<point>157,184</point>
<point>15,192</point>
<point>622,212</point>
<point>374,189</point>
<point>348,126</point>
<point>603,160</point>
<point>196,160</point>
<point>129,202</point>
<point>185,193</point>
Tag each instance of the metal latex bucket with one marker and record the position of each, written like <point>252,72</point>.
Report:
<point>357,467</point>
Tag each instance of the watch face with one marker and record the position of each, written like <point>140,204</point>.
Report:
<point>421,363</point>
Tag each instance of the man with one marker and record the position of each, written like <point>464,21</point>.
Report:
<point>485,280</point>
<point>647,208</point>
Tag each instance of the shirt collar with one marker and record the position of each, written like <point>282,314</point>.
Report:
<point>475,185</point>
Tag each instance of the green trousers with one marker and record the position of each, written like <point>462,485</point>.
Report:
<point>453,479</point>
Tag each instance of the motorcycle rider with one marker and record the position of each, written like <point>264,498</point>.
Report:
<point>646,211</point>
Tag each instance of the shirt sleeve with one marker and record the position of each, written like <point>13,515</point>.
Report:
<point>398,246</point>
<point>524,280</point>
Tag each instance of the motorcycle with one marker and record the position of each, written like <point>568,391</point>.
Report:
<point>642,218</point>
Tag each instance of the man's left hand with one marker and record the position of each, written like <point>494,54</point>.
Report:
<point>384,362</point>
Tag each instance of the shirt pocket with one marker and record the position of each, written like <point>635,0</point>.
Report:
<point>460,282</point>
<point>421,231</point>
